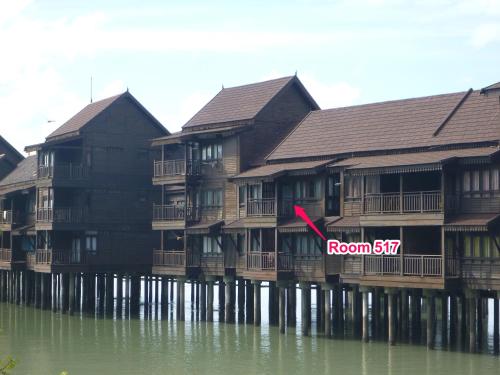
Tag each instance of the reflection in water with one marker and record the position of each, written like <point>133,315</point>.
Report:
<point>47,343</point>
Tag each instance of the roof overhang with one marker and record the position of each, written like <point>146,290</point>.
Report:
<point>472,223</point>
<point>54,141</point>
<point>296,225</point>
<point>413,162</point>
<point>193,135</point>
<point>204,228</point>
<point>348,224</point>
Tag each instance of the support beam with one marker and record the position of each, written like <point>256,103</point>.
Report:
<point>365,326</point>
<point>305,307</point>
<point>431,317</point>
<point>391,315</point>
<point>256,302</point>
<point>210,300</point>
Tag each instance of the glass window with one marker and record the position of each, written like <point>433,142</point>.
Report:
<point>486,180</point>
<point>467,246</point>
<point>91,243</point>
<point>466,181</point>
<point>352,187</point>
<point>242,192</point>
<point>494,179</point>
<point>211,151</point>
<point>494,242</point>
<point>476,246</point>
<point>475,181</point>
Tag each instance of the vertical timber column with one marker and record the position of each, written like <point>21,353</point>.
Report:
<point>404,314</point>
<point>71,293</point>
<point>171,295</point>
<point>365,326</point>
<point>431,317</point>
<point>78,291</point>
<point>222,301</point>
<point>248,301</point>
<point>327,309</point>
<point>319,306</point>
<point>119,294</point>
<point>290,304</point>
<point>109,292</point>
<point>229,301</point>
<point>453,319</point>
<point>241,301</point>
<point>203,300</point>
<point>472,296</point>
<point>164,298</point>
<point>391,314</point>
<point>305,307</point>
<point>145,295</point>
<point>256,302</point>
<point>210,300</point>
<point>272,305</point>
<point>43,291</point>
<point>135,294</point>
<point>496,333</point>
<point>92,292</point>
<point>101,285</point>
<point>180,299</point>
<point>36,293</point>
<point>64,292</point>
<point>281,306</point>
<point>444,319</point>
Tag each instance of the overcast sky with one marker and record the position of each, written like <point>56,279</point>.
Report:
<point>175,56</point>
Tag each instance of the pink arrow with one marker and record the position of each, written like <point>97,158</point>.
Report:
<point>301,213</point>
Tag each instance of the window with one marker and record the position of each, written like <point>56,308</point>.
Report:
<point>353,187</point>
<point>212,245</point>
<point>211,152</point>
<point>308,189</point>
<point>91,243</point>
<point>242,195</point>
<point>211,198</point>
<point>307,245</point>
<point>333,195</point>
<point>255,191</point>
<point>481,246</point>
<point>480,183</point>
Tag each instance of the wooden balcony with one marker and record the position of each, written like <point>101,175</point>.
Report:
<point>65,215</point>
<point>266,261</point>
<point>63,171</point>
<point>169,258</point>
<point>171,212</point>
<point>261,207</point>
<point>59,257</point>
<point>407,202</point>
<point>481,272</point>
<point>175,171</point>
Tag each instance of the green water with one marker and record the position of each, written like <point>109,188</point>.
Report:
<point>46,343</point>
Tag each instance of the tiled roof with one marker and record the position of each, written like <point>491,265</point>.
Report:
<point>273,170</point>
<point>24,172</point>
<point>238,103</point>
<point>179,136</point>
<point>91,111</point>
<point>409,123</point>
<point>83,117</point>
<point>481,219</point>
<point>343,222</point>
<point>414,158</point>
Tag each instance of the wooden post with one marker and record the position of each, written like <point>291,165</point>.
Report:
<point>43,291</point>
<point>453,319</point>
<point>472,302</point>
<point>391,314</point>
<point>282,308</point>
<point>119,294</point>
<point>365,328</point>
<point>306,307</point>
<point>404,314</point>
<point>327,310</point>
<point>222,301</point>
<point>256,302</point>
<point>431,317</point>
<point>180,299</point>
<point>249,301</point>
<point>203,300</point>
<point>229,301</point>
<point>210,300</point>
<point>164,298</point>
<point>444,319</point>
<point>71,293</point>
<point>241,301</point>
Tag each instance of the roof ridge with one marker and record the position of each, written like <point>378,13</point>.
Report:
<point>395,101</point>
<point>259,83</point>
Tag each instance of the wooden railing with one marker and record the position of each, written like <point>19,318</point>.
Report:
<point>59,257</point>
<point>312,207</point>
<point>6,217</point>
<point>407,202</point>
<point>412,265</point>
<point>261,207</point>
<point>61,215</point>
<point>5,255</point>
<point>169,168</point>
<point>263,260</point>
<point>207,213</point>
<point>480,268</point>
<point>169,258</point>
<point>30,259</point>
<point>422,265</point>
<point>177,167</point>
<point>70,171</point>
<point>168,212</point>
<point>211,167</point>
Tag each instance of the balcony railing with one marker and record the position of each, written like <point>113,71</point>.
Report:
<point>413,265</point>
<point>169,258</point>
<point>263,260</point>
<point>70,171</point>
<point>5,255</point>
<point>6,217</point>
<point>59,257</point>
<point>60,215</point>
<point>261,207</point>
<point>170,212</point>
<point>177,167</point>
<point>407,202</point>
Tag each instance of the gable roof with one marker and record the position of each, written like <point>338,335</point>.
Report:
<point>493,87</point>
<point>456,118</point>
<point>25,172</point>
<point>242,103</point>
<point>92,110</point>
<point>14,155</point>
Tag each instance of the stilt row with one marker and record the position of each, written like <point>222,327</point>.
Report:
<point>370,313</point>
